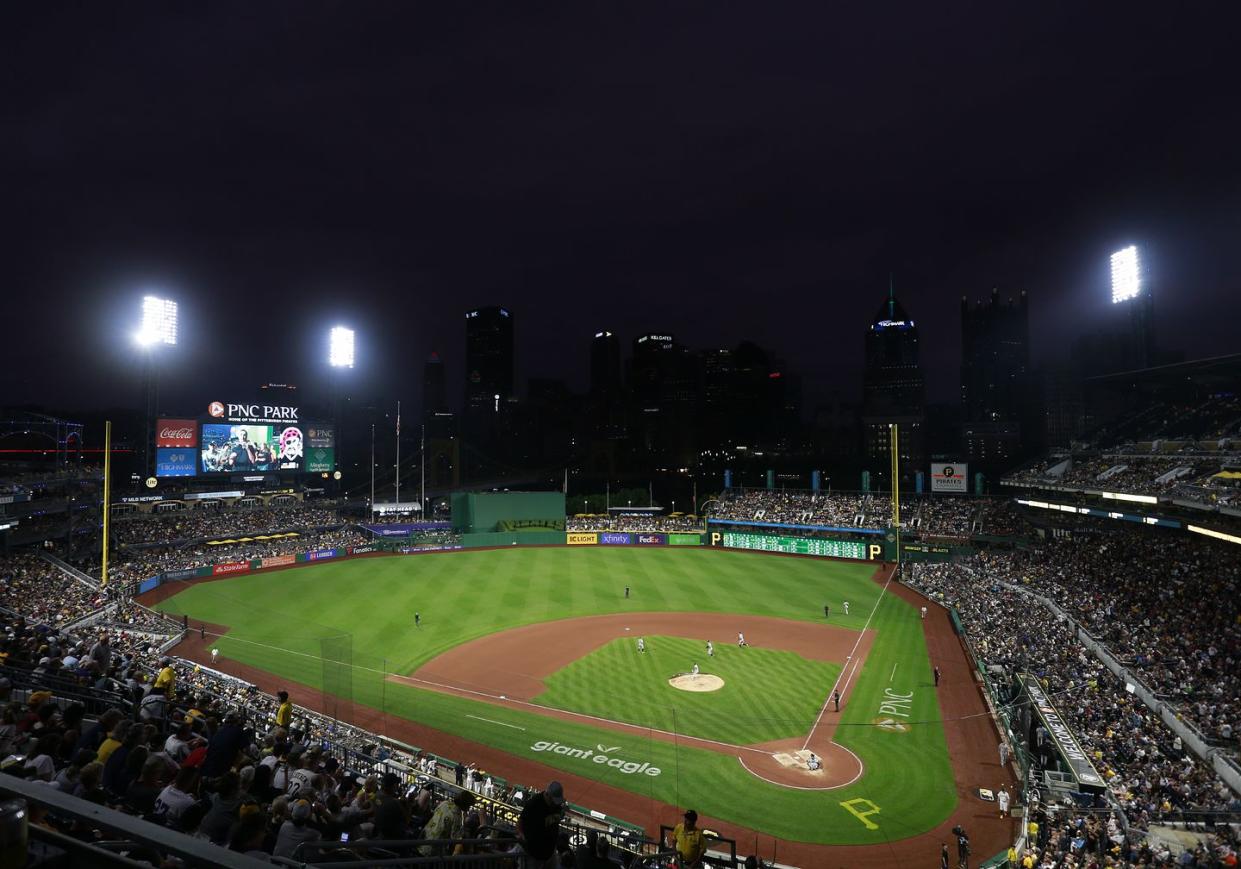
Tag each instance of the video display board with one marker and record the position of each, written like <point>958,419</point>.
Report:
<point>796,545</point>
<point>242,449</point>
<point>241,439</point>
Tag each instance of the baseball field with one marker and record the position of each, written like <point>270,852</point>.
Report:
<point>530,655</point>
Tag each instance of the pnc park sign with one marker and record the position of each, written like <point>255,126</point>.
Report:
<point>229,412</point>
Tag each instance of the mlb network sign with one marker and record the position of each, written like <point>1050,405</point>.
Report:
<point>949,477</point>
<point>252,412</point>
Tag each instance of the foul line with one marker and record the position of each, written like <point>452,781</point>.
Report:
<point>893,676</point>
<point>852,652</point>
<point>504,699</point>
<point>489,721</point>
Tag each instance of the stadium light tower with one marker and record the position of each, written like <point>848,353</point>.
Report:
<point>159,327</point>
<point>1126,274</point>
<point>159,322</point>
<point>340,347</point>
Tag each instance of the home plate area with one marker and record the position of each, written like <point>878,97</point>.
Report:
<point>800,760</point>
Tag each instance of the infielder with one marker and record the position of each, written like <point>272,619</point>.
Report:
<point>710,649</point>
<point>741,639</point>
<point>641,644</point>
<point>694,670</point>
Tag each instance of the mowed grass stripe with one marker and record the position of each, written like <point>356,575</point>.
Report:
<point>466,595</point>
<point>767,694</point>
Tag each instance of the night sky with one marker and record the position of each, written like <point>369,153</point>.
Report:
<point>720,171</point>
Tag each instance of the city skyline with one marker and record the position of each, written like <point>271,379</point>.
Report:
<point>320,167</point>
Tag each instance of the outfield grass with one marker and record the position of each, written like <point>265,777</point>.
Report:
<point>361,611</point>
<point>767,694</point>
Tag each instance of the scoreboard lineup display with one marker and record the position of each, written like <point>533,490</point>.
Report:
<point>796,545</point>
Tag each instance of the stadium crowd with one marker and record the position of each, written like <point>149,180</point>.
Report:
<point>199,524</point>
<point>138,564</point>
<point>634,523</point>
<point>1146,768</point>
<point>106,716</point>
<point>1137,592</point>
<point>793,508</point>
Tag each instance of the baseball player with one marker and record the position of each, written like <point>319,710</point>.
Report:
<point>417,620</point>
<point>215,653</point>
<point>641,644</point>
<point>694,670</point>
<point>741,639</point>
<point>1002,798</point>
<point>924,613</point>
<point>827,611</point>
<point>846,607</point>
<point>710,649</point>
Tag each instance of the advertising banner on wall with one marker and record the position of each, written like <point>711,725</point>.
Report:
<point>683,539</point>
<point>320,460</point>
<point>651,539</point>
<point>180,574</point>
<point>361,550</point>
<point>950,477</point>
<point>320,554</point>
<point>176,433</point>
<point>613,538</point>
<point>178,462</point>
<point>581,538</point>
<point>231,567</point>
<point>279,560</point>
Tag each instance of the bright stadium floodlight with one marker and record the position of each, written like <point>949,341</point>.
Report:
<point>159,322</point>
<point>340,347</point>
<point>1126,274</point>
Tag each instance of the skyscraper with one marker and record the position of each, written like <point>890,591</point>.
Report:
<point>434,385</point>
<point>488,392</point>
<point>605,371</point>
<point>663,388</point>
<point>488,360</point>
<point>995,383</point>
<point>894,389</point>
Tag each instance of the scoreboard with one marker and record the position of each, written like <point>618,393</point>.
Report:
<point>796,545</point>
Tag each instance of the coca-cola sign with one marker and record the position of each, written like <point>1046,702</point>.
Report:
<point>176,433</point>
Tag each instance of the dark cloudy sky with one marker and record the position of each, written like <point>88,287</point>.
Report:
<point>723,171</point>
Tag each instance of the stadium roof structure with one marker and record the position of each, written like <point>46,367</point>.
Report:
<point>1223,372</point>
<point>64,434</point>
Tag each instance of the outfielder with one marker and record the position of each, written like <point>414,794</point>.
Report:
<point>846,607</point>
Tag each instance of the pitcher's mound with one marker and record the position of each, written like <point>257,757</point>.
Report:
<point>701,682</point>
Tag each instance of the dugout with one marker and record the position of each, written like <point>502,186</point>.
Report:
<point>513,512</point>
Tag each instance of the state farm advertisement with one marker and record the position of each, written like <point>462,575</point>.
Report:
<point>230,567</point>
<point>176,433</point>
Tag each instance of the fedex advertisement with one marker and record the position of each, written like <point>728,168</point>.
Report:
<point>179,433</point>
<point>612,538</point>
<point>180,462</point>
<point>651,539</point>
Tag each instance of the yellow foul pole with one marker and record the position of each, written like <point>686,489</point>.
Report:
<point>894,443</point>
<point>107,497</point>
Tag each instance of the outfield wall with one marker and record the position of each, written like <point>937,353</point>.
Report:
<point>482,512</point>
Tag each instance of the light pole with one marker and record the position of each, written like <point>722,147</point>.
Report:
<point>159,326</point>
<point>340,346</point>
